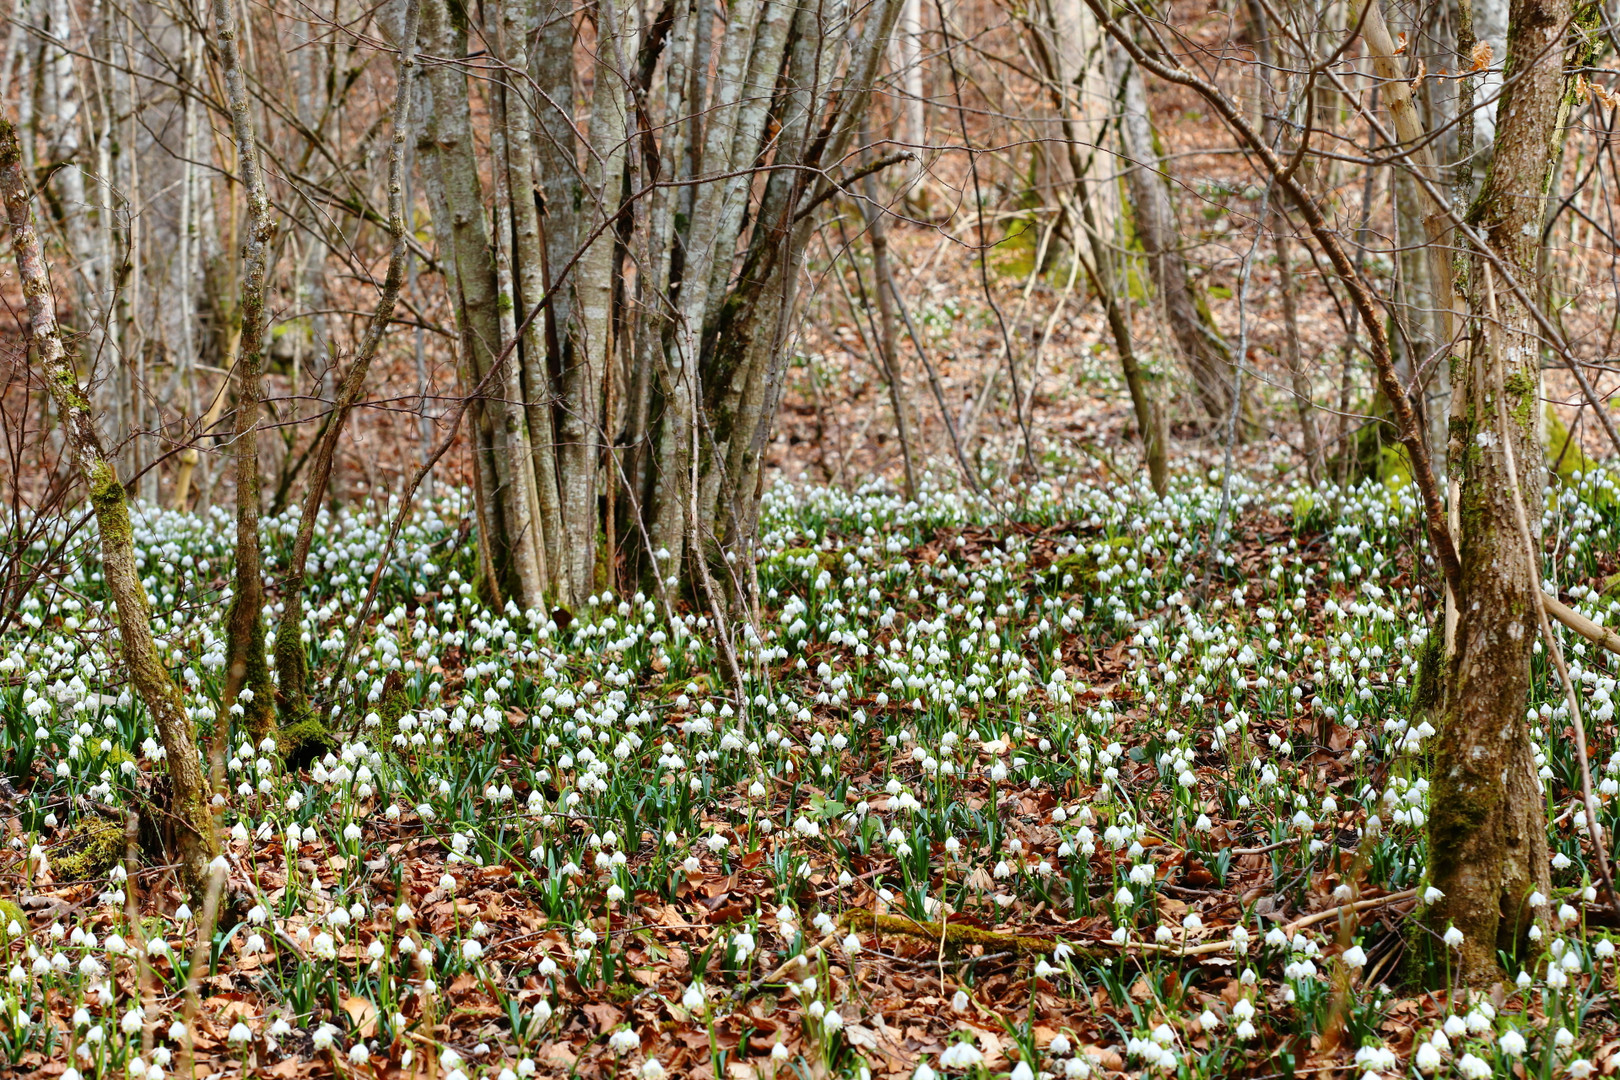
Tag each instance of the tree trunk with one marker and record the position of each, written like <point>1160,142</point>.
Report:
<point>529,259</point>
<point>244,649</point>
<point>292,675</point>
<point>1070,51</point>
<point>1208,360</point>
<point>580,430</point>
<point>196,838</point>
<point>1487,829</point>
<point>455,194</point>
<point>1299,378</point>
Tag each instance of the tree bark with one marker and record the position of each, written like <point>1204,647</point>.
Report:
<point>245,667</point>
<point>1487,828</point>
<point>196,838</point>
<point>1299,378</point>
<point>1208,360</point>
<point>292,665</point>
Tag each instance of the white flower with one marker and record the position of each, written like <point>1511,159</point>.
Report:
<point>1427,1058</point>
<point>693,999</point>
<point>652,1069</point>
<point>1355,957</point>
<point>1473,1068</point>
<point>962,1055</point>
<point>1512,1043</point>
<point>240,1033</point>
<point>1454,938</point>
<point>624,1040</point>
<point>358,1053</point>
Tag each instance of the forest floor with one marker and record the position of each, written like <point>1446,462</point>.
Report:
<point>1070,781</point>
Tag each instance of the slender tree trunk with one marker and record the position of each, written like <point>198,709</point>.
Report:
<point>1203,351</point>
<point>1487,828</point>
<point>523,526</point>
<point>244,649</point>
<point>887,338</point>
<point>196,840</point>
<point>292,673</point>
<point>1062,41</point>
<point>1299,378</point>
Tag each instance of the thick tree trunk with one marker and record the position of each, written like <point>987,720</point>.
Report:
<point>1487,829</point>
<point>529,259</point>
<point>455,194</point>
<point>196,838</point>
<point>580,430</point>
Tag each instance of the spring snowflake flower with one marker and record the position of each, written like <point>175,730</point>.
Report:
<point>962,1055</point>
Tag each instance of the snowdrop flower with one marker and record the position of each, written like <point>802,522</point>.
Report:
<point>240,1033</point>
<point>624,1040</point>
<point>1511,1043</point>
<point>1454,938</point>
<point>962,1055</point>
<point>1355,957</point>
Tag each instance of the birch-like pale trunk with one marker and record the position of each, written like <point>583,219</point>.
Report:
<point>655,309</point>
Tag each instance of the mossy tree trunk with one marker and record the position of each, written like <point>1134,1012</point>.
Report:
<point>197,841</point>
<point>1487,828</point>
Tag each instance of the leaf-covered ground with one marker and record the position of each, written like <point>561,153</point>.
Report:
<point>1068,781</point>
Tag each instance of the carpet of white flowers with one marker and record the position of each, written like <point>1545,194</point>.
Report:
<point>1071,782</point>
